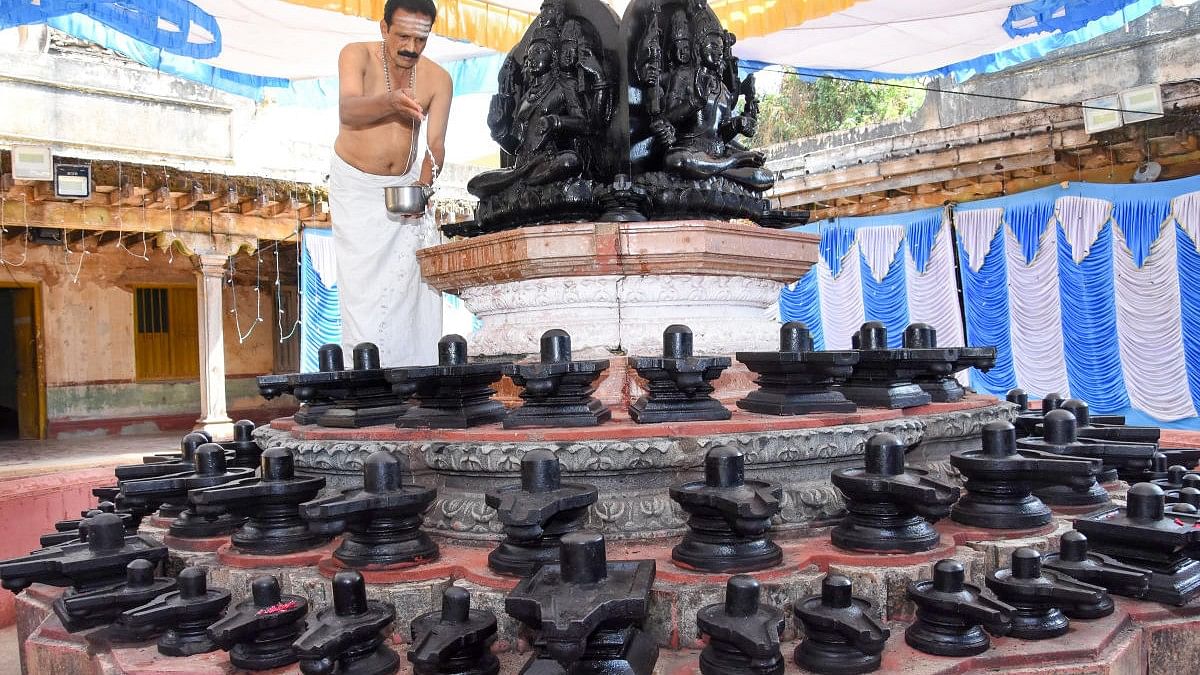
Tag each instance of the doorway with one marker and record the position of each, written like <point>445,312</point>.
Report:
<point>22,410</point>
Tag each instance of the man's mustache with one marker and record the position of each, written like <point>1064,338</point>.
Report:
<point>411,55</point>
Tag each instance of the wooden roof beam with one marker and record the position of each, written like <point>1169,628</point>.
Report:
<point>978,168</point>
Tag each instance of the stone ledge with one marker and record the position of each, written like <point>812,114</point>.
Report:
<point>621,427</point>
<point>714,248</point>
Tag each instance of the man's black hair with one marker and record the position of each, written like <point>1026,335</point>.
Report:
<point>425,7</point>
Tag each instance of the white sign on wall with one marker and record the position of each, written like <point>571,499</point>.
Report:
<point>32,162</point>
<point>1102,114</point>
<point>1141,104</point>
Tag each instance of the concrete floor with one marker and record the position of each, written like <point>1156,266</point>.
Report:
<point>26,458</point>
<point>30,458</point>
<point>10,654</point>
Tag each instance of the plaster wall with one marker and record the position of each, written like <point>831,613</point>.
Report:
<point>87,336</point>
<point>95,106</point>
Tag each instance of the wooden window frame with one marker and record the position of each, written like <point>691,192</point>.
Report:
<point>173,354</point>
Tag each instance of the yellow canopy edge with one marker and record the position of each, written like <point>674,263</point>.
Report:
<point>500,28</point>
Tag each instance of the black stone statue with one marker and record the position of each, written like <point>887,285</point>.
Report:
<point>552,117</point>
<point>797,380</point>
<point>454,394</point>
<point>455,640</point>
<point>347,638</point>
<point>952,614</point>
<point>557,389</point>
<point>729,517</point>
<point>536,513</point>
<point>678,384</point>
<point>694,102</point>
<point>636,121</point>
<point>184,615</point>
<point>358,397</point>
<point>587,613</point>
<point>1044,600</point>
<point>382,520</point>
<point>890,506</point>
<point>841,633</point>
<point>743,633</point>
<point>104,605</point>
<point>1145,534</point>
<point>258,632</point>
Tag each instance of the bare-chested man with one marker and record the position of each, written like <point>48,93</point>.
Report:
<point>394,106</point>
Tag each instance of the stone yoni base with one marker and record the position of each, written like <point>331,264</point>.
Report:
<point>1139,637</point>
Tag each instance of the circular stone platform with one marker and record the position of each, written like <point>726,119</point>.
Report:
<point>634,464</point>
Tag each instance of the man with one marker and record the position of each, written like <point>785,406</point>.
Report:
<point>394,104</point>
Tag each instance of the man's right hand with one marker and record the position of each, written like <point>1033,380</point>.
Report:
<point>406,106</point>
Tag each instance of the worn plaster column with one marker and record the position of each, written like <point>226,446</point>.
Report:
<point>214,417</point>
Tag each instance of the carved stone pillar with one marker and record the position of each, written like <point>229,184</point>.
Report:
<point>213,417</point>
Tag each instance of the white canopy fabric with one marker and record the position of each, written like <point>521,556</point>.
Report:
<point>274,38</point>
<point>250,46</point>
<point>960,38</point>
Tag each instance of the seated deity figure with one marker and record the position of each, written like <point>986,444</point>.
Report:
<point>701,109</point>
<point>582,68</point>
<point>681,73</point>
<point>538,119</point>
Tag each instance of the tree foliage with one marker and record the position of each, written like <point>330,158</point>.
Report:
<point>806,108</point>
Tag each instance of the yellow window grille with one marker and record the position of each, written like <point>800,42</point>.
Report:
<point>166,336</point>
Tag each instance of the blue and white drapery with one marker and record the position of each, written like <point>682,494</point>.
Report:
<point>897,269</point>
<point>1091,290</point>
<point>320,309</point>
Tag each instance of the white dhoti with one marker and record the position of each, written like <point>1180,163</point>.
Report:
<point>383,298</point>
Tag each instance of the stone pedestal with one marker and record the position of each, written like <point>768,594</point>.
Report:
<point>615,286</point>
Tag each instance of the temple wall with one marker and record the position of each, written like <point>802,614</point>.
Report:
<point>137,114</point>
<point>1157,47</point>
<point>86,331</point>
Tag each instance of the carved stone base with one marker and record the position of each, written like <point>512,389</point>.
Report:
<point>610,314</point>
<point>519,205</point>
<point>943,390</point>
<point>632,465</point>
<point>647,410</point>
<point>670,196</point>
<point>351,417</point>
<point>885,394</point>
<point>797,401</point>
<point>615,286</point>
<point>309,413</point>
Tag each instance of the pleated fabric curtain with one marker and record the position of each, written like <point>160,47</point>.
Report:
<point>1036,321</point>
<point>320,308</point>
<point>985,292</point>
<point>893,269</point>
<point>1149,311</point>
<point>1089,298</point>
<point>1089,303</point>
<point>1092,291</point>
<point>1185,210</point>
